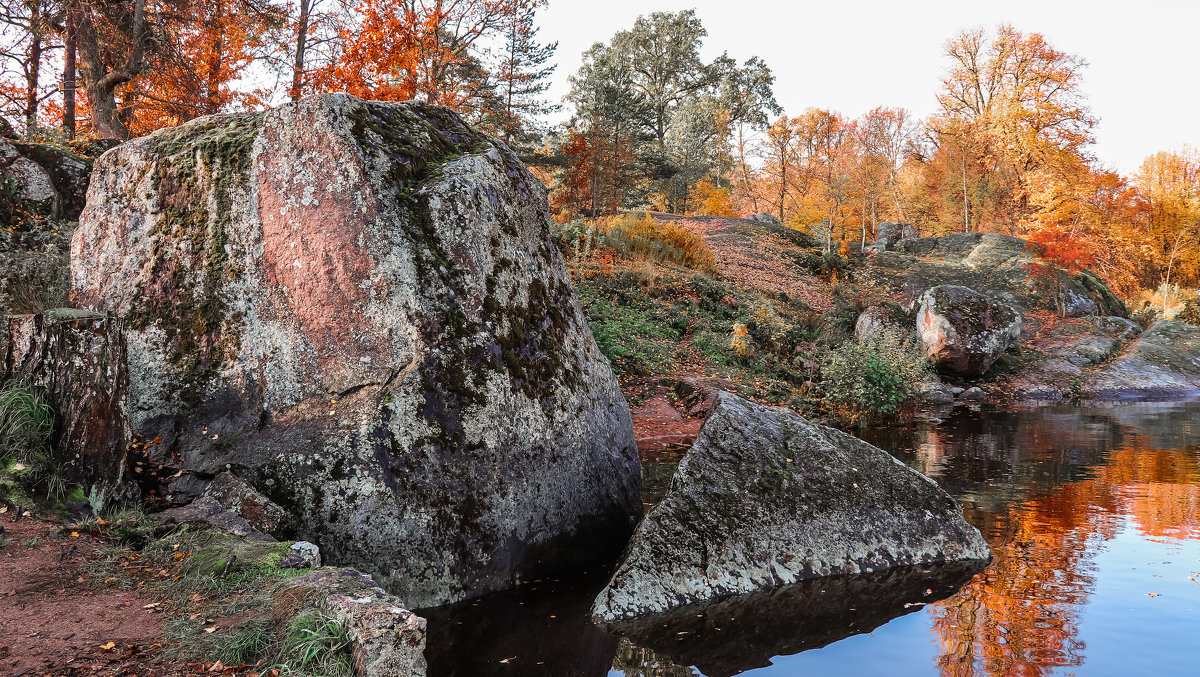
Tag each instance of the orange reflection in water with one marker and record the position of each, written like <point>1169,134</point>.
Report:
<point>1021,616</point>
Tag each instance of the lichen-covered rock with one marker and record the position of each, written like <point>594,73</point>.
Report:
<point>78,358</point>
<point>764,498</point>
<point>963,331</point>
<point>1163,364</point>
<point>207,512</point>
<point>249,504</point>
<point>359,308</point>
<point>49,181</point>
<point>386,639</point>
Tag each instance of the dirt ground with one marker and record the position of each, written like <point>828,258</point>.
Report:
<point>55,621</point>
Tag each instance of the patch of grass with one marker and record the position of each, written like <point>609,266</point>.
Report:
<point>26,421</point>
<point>315,645</point>
<point>26,429</point>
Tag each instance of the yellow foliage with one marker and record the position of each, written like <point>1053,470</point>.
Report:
<point>662,241</point>
<point>740,341</point>
<point>713,201</point>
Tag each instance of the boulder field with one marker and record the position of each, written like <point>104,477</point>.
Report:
<point>357,308</point>
<point>764,499</point>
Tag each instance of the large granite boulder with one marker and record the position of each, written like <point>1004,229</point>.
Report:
<point>358,308</point>
<point>764,498</point>
<point>963,331</point>
<point>1163,364</point>
<point>78,359</point>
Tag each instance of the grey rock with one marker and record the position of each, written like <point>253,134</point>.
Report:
<point>302,555</point>
<point>991,263</point>
<point>208,512</point>
<point>764,217</point>
<point>763,499</point>
<point>244,500</point>
<point>359,306</point>
<point>938,393</point>
<point>1163,364</point>
<point>888,234</point>
<point>1091,350</point>
<point>963,331</point>
<point>1120,328</point>
<point>874,320</point>
<point>386,639</point>
<point>973,394</point>
<point>49,180</point>
<point>1050,380</point>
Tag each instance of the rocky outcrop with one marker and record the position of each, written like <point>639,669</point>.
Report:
<point>359,309</point>
<point>888,234</point>
<point>963,331</point>
<point>78,359</point>
<point>1163,364</point>
<point>990,263</point>
<point>763,218</point>
<point>763,499</point>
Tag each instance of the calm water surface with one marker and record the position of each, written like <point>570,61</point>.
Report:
<point>1094,517</point>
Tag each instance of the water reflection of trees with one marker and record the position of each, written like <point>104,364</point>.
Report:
<point>1021,616</point>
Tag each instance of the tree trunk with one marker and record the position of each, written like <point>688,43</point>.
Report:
<point>69,72</point>
<point>33,69</point>
<point>301,45</point>
<point>966,205</point>
<point>78,359</point>
<point>102,83</point>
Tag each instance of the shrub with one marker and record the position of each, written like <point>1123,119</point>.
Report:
<point>1190,312</point>
<point>660,241</point>
<point>865,380</point>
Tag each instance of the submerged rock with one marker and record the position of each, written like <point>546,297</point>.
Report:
<point>1163,364</point>
<point>765,498</point>
<point>359,308</point>
<point>963,331</point>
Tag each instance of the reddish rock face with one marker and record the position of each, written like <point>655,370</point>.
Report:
<point>963,331</point>
<point>358,308</point>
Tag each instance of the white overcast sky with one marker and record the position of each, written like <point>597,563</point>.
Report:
<point>1143,78</point>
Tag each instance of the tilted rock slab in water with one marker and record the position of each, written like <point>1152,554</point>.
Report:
<point>358,308</point>
<point>964,331</point>
<point>764,498</point>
